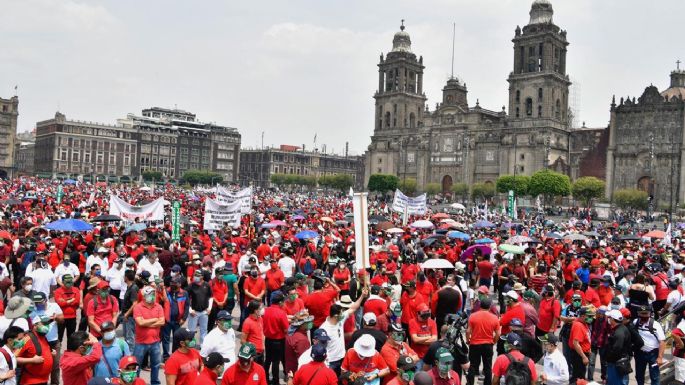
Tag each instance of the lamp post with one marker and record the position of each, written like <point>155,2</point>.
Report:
<point>467,141</point>
<point>650,183</point>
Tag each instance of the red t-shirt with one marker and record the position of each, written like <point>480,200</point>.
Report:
<point>104,312</point>
<point>219,289</point>
<point>375,305</point>
<point>236,376</point>
<point>549,309</point>
<point>315,373</point>
<point>254,286</point>
<point>147,335</point>
<point>425,288</point>
<point>36,373</point>
<point>581,333</point>
<point>254,330</point>
<point>409,305</point>
<point>319,304</point>
<point>185,366</point>
<point>275,321</point>
<point>485,269</point>
<point>302,292</point>
<point>516,311</point>
<point>62,295</point>
<point>422,329</point>
<point>483,325</point>
<point>274,279</point>
<point>294,307</point>
<point>355,364</point>
<point>499,368</point>
<point>343,275</point>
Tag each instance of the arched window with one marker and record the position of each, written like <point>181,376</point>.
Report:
<point>518,112</point>
<point>387,119</point>
<point>518,96</point>
<point>412,120</point>
<point>539,111</point>
<point>539,94</point>
<point>529,107</point>
<point>557,111</point>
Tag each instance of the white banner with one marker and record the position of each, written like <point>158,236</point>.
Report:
<point>153,211</point>
<point>361,230</point>
<point>412,206</point>
<point>218,215</point>
<point>225,197</point>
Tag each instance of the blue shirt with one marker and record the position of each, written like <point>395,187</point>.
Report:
<point>113,354</point>
<point>583,275</point>
<point>50,310</point>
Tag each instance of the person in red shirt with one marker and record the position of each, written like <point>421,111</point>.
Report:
<point>274,280</point>
<point>83,353</point>
<point>253,329</point>
<point>424,287</point>
<point>276,325</point>
<point>219,294</point>
<point>342,277</point>
<point>579,342</point>
<point>103,307</point>
<point>549,312</point>
<point>591,296</point>
<point>69,300</point>
<point>364,360</point>
<point>442,372</point>
<point>393,349</point>
<point>512,351</point>
<point>263,250</point>
<point>292,304</point>
<point>35,361</point>
<point>315,372</point>
<point>184,364</point>
<point>375,304</point>
<point>410,300</point>
<point>605,291</point>
<point>320,300</point>
<point>485,271</point>
<point>254,286</point>
<point>406,369</point>
<point>423,331</point>
<point>213,368</point>
<point>149,318</point>
<point>246,371</point>
<point>514,310</point>
<point>481,334</point>
<point>128,371</point>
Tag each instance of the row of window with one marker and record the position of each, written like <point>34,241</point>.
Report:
<point>87,157</point>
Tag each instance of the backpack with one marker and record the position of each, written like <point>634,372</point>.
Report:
<point>636,338</point>
<point>307,269</point>
<point>518,372</point>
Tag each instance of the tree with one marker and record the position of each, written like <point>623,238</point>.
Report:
<point>152,175</point>
<point>588,188</point>
<point>433,188</point>
<point>202,177</point>
<point>383,183</point>
<point>277,179</point>
<point>408,186</point>
<point>519,184</point>
<point>628,199</point>
<point>482,191</point>
<point>460,190</point>
<point>549,184</point>
<point>341,182</point>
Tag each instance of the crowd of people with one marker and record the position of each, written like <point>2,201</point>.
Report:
<point>468,296</point>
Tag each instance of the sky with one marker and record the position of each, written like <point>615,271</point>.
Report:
<point>298,69</point>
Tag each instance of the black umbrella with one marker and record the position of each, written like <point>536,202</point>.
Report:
<point>629,237</point>
<point>106,218</point>
<point>378,218</point>
<point>10,202</point>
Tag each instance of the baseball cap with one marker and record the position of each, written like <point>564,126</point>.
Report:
<point>484,290</point>
<point>405,363</point>
<point>512,339</point>
<point>214,359</point>
<point>369,318</point>
<point>103,284</point>
<point>247,351</point>
<point>444,356</point>
<point>277,297</point>
<point>176,269</point>
<point>321,335</point>
<point>39,297</point>
<point>223,315</point>
<point>625,312</point>
<point>550,338</point>
<point>318,352</point>
<point>183,334</point>
<point>422,307</point>
<point>126,361</point>
<point>515,322</point>
<point>512,294</point>
<point>145,274</point>
<point>147,290</point>
<point>396,308</point>
<point>615,315</point>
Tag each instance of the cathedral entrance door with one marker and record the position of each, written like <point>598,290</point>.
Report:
<point>446,184</point>
<point>646,184</point>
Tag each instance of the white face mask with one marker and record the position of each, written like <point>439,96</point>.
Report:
<point>109,336</point>
<point>28,287</point>
<point>261,312</point>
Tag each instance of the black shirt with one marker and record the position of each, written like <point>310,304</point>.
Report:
<point>199,295</point>
<point>130,297</point>
<point>448,303</point>
<point>377,335</point>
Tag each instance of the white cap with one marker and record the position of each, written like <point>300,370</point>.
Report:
<point>369,318</point>
<point>512,294</point>
<point>615,315</point>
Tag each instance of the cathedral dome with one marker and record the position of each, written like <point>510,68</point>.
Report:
<point>541,12</point>
<point>401,42</point>
<point>677,88</point>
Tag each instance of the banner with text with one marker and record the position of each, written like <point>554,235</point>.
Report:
<point>225,196</point>
<point>412,206</point>
<point>218,215</point>
<point>153,211</point>
<point>361,230</point>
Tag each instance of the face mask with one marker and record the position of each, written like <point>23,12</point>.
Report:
<point>444,369</point>
<point>150,298</point>
<point>227,324</point>
<point>68,283</point>
<point>174,274</point>
<point>589,320</point>
<point>196,262</point>
<point>576,303</point>
<point>191,344</point>
<point>260,312</point>
<point>109,336</point>
<point>254,274</point>
<point>28,287</point>
<point>66,262</point>
<point>398,337</point>
<point>18,344</point>
<point>42,330</point>
<point>98,273</point>
<point>40,306</point>
<point>424,316</point>
<point>340,317</point>
<point>407,376</point>
<point>197,279</point>
<point>89,349</point>
<point>605,284</point>
<point>129,377</point>
<point>292,297</point>
<point>103,294</point>
<point>309,325</point>
<point>341,266</point>
<point>615,307</point>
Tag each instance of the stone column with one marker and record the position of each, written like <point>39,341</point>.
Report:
<point>681,176</point>
<point>610,179</point>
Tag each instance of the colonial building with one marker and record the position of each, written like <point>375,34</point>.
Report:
<point>9,112</point>
<point>462,142</point>
<point>24,153</point>
<point>257,166</point>
<point>646,143</point>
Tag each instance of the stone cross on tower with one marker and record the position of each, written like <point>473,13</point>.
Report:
<point>402,26</point>
<point>677,63</point>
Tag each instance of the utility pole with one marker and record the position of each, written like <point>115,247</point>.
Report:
<point>466,159</point>
<point>650,183</point>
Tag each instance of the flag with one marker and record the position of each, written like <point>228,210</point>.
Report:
<point>667,237</point>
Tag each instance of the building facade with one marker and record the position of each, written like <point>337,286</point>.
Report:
<point>9,113</point>
<point>24,153</point>
<point>646,144</point>
<point>257,166</point>
<point>459,142</point>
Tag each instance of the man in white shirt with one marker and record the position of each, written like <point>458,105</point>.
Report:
<point>151,265</point>
<point>221,339</point>
<point>555,367</point>
<point>287,265</point>
<point>651,355</point>
<point>334,328</point>
<point>115,277</point>
<point>244,262</point>
<point>66,267</point>
<point>99,258</point>
<point>43,277</point>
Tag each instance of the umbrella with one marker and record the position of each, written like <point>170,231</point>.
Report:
<point>554,235</point>
<point>484,241</point>
<point>448,220</point>
<point>69,225</point>
<point>458,235</point>
<point>458,206</point>
<point>440,216</point>
<point>575,237</point>
<point>349,215</point>
<point>11,202</point>
<point>327,219</point>
<point>630,237</point>
<point>438,236</point>
<point>69,181</point>
<point>655,234</point>
<point>342,223</point>
<point>384,225</point>
<point>145,188</point>
<point>5,234</point>
<point>106,218</point>
<point>422,224</point>
<point>299,218</point>
<point>278,223</point>
<point>485,250</point>
<point>514,249</point>
<point>437,263</point>
<point>518,239</point>
<point>591,234</point>
<point>394,230</point>
<point>430,241</point>
<point>268,226</point>
<point>549,223</point>
<point>306,234</point>
<point>377,218</point>
<point>135,227</point>
<point>483,224</point>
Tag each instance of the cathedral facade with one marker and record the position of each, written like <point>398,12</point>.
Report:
<point>462,142</point>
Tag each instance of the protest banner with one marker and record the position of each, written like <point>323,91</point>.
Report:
<point>225,196</point>
<point>218,215</point>
<point>153,211</point>
<point>408,205</point>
